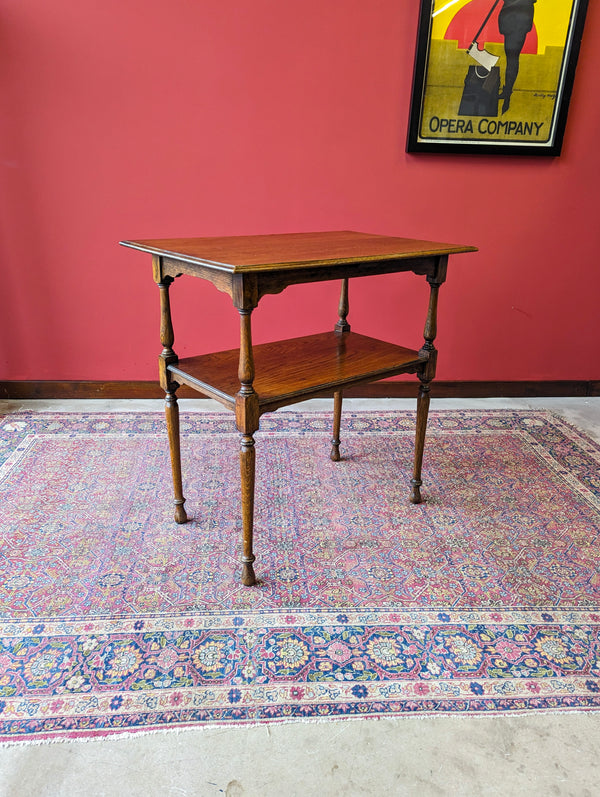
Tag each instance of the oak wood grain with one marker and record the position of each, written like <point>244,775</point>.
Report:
<point>293,370</point>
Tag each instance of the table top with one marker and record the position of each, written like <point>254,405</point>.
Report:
<point>253,253</point>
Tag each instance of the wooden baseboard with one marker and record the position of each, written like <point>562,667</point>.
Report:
<point>389,389</point>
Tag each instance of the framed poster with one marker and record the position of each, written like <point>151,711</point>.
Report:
<point>494,76</point>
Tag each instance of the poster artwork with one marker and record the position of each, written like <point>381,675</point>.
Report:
<point>494,74</point>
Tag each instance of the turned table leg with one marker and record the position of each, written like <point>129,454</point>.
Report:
<point>172,415</point>
<point>341,328</point>
<point>167,357</point>
<point>247,472</point>
<point>422,414</point>
<point>426,374</point>
<point>337,420</point>
<point>247,420</point>
<point>342,324</point>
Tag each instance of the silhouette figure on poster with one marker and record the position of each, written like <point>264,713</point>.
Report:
<point>514,21</point>
<point>482,83</point>
<point>481,92</point>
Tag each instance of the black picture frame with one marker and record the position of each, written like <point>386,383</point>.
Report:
<point>462,101</point>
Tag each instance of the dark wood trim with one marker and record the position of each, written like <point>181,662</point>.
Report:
<point>386,389</point>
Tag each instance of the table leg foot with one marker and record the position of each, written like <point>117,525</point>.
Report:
<point>180,513</point>
<point>415,493</point>
<point>248,576</point>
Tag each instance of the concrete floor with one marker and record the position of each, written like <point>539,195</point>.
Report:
<point>553,754</point>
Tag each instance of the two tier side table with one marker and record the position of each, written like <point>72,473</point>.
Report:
<point>253,380</point>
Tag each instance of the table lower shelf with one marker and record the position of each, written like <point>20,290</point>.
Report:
<point>293,370</point>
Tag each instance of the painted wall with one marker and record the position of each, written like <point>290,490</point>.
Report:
<point>139,119</point>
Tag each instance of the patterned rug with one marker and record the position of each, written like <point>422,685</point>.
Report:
<point>486,598</point>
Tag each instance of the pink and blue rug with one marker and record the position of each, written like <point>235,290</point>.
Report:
<point>114,619</point>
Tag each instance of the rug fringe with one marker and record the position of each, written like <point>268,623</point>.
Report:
<point>441,716</point>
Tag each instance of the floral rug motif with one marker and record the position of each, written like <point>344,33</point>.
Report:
<point>486,598</point>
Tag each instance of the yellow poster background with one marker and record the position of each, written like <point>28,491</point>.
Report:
<point>531,114</point>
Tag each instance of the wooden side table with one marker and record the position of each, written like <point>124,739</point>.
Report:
<point>253,380</point>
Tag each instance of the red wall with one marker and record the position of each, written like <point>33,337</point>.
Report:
<point>140,119</point>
